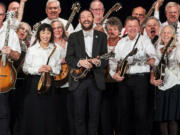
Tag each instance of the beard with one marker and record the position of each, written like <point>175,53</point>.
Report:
<point>87,28</point>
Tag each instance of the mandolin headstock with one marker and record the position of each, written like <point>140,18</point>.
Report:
<point>76,7</point>
<point>116,7</point>
<point>10,15</point>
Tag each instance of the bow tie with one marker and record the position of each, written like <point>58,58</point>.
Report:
<point>86,34</point>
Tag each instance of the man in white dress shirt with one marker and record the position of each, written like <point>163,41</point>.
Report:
<point>53,10</point>
<point>172,12</point>
<point>12,50</point>
<point>134,91</point>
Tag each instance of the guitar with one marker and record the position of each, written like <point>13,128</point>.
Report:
<point>75,9</point>
<point>62,77</point>
<point>8,73</point>
<point>79,73</point>
<point>160,69</point>
<point>123,65</point>
<point>116,7</point>
<point>21,10</point>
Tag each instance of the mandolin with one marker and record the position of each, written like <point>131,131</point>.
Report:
<point>80,73</point>
<point>123,65</point>
<point>62,77</point>
<point>44,83</point>
<point>160,69</point>
<point>8,73</point>
<point>149,13</point>
<point>116,7</point>
<point>75,9</point>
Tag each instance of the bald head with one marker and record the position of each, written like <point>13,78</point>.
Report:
<point>14,6</point>
<point>140,13</point>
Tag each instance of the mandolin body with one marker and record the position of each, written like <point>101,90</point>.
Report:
<point>62,77</point>
<point>8,76</point>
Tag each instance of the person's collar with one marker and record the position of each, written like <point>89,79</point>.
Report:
<point>88,33</point>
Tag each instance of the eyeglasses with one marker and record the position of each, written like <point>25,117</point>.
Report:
<point>140,15</point>
<point>97,9</point>
<point>24,29</point>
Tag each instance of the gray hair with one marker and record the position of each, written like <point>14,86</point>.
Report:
<point>172,4</point>
<point>153,18</point>
<point>49,1</point>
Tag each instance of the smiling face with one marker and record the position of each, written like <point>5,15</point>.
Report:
<point>14,6</point>
<point>57,30</point>
<point>23,31</point>
<point>172,14</point>
<point>113,31</point>
<point>86,20</point>
<point>132,27</point>
<point>97,9</point>
<point>53,10</point>
<point>45,36</point>
<point>167,33</point>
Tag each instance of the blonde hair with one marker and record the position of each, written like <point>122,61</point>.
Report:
<point>173,30</point>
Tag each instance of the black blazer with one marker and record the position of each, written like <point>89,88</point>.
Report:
<point>76,51</point>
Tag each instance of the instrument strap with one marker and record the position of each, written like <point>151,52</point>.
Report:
<point>51,54</point>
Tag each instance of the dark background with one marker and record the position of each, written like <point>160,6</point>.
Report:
<point>35,9</point>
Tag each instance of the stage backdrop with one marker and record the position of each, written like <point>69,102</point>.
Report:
<point>35,9</point>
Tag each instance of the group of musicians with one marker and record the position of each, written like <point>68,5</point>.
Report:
<point>119,80</point>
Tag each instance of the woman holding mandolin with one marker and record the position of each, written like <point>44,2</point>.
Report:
<point>168,93</point>
<point>61,82</point>
<point>42,61</point>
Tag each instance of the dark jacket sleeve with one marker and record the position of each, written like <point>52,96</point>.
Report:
<point>71,60</point>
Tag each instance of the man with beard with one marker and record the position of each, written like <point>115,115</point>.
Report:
<point>153,29</point>
<point>97,8</point>
<point>172,12</point>
<point>83,49</point>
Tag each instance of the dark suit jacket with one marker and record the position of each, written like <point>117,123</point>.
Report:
<point>76,51</point>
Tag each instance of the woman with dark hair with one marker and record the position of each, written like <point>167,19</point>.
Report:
<point>39,113</point>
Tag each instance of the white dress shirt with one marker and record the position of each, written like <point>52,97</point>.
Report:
<point>138,62</point>
<point>172,70</point>
<point>88,40</point>
<point>13,42</point>
<point>37,56</point>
